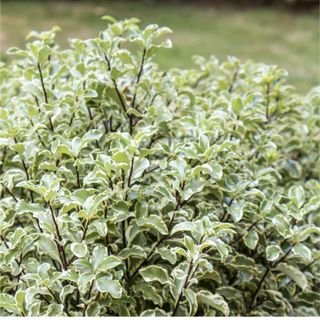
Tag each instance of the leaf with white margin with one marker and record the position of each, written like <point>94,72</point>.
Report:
<point>107,263</point>
<point>251,239</point>
<point>236,211</point>
<point>155,273</point>
<point>113,287</point>
<point>80,250</point>
<point>153,313</point>
<point>213,300</point>
<point>192,300</point>
<point>297,196</point>
<point>183,226</point>
<point>273,252</point>
<point>154,222</point>
<point>149,293</point>
<point>295,274</point>
<point>282,224</point>
<point>139,166</point>
<point>134,251</point>
<point>302,251</point>
<point>8,302</point>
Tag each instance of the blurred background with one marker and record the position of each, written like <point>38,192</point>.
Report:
<point>281,32</point>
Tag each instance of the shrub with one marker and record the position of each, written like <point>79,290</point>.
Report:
<point>129,190</point>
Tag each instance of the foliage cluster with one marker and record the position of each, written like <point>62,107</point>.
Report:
<point>126,190</point>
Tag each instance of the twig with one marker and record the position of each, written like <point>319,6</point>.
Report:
<point>184,287</point>
<point>44,93</point>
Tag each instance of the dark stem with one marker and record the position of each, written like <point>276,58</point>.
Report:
<point>60,247</point>
<point>85,230</point>
<point>130,174</point>
<point>146,260</point>
<point>259,287</point>
<point>71,119</point>
<point>3,158</point>
<point>78,176</point>
<point>162,238</point>
<point>53,295</point>
<point>242,235</point>
<point>44,93</point>
<point>282,258</point>
<point>138,78</point>
<point>11,194</point>
<point>38,135</point>
<point>225,211</point>
<point>116,86</point>
<point>42,84</point>
<point>234,128</point>
<point>184,287</point>
<point>28,177</point>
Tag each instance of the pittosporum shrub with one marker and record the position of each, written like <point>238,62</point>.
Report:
<point>127,190</point>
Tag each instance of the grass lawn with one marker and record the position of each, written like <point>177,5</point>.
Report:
<point>288,39</point>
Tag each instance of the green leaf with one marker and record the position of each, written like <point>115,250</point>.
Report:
<point>236,211</point>
<point>154,222</point>
<point>220,246</point>
<point>93,309</point>
<point>297,196</point>
<point>149,293</point>
<point>190,245</point>
<point>295,274</point>
<point>304,232</point>
<point>179,165</point>
<point>213,300</point>
<point>273,252</point>
<point>80,250</point>
<point>8,302</point>
<point>122,159</point>
<point>282,224</point>
<point>302,251</point>
<point>107,263</point>
<point>312,205</point>
<point>134,251</point>
<point>48,247</point>
<point>154,273</point>
<point>243,263</point>
<point>237,105</point>
<point>153,313</point>
<point>139,166</point>
<point>251,239</point>
<point>167,254</point>
<point>113,287</point>
<point>183,226</point>
<point>192,300</point>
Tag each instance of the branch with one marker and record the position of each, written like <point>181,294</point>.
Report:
<point>258,288</point>
<point>60,247</point>
<point>184,287</point>
<point>11,194</point>
<point>116,87</point>
<point>242,235</point>
<point>138,77</point>
<point>44,93</point>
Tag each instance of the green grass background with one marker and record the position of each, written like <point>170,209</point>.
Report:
<point>271,35</point>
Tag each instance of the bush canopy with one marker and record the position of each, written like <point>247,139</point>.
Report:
<point>129,190</point>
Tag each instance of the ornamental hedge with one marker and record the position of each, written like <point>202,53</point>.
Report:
<point>129,190</point>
